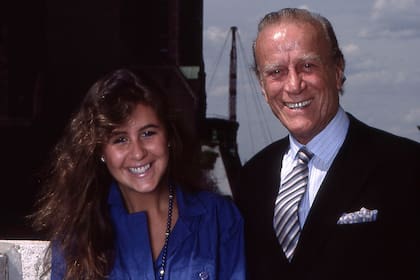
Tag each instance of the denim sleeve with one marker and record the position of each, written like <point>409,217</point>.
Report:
<point>232,251</point>
<point>58,265</point>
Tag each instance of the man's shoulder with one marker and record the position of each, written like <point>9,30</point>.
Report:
<point>381,139</point>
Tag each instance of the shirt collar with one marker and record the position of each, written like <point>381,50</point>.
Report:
<point>188,204</point>
<point>325,144</point>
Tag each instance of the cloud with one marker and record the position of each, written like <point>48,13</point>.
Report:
<point>413,115</point>
<point>396,19</point>
<point>304,7</point>
<point>214,34</point>
<point>218,90</point>
<point>367,69</point>
<point>383,8</point>
<point>379,78</point>
<point>351,49</point>
<point>363,66</point>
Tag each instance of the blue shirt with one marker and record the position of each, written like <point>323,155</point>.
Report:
<point>325,147</point>
<point>207,241</point>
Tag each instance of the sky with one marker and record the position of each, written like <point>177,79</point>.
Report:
<point>380,40</point>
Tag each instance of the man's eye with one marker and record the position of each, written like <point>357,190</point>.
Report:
<point>275,73</point>
<point>308,67</point>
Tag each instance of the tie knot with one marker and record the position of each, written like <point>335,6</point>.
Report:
<point>304,156</point>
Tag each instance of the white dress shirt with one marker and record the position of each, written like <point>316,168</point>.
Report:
<point>325,147</point>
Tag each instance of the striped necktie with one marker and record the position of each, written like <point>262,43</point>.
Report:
<point>286,219</point>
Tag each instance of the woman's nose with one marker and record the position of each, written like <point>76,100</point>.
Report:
<point>138,151</point>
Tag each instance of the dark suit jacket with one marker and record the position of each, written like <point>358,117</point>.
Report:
<point>373,169</point>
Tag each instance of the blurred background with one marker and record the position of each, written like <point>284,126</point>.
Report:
<point>200,52</point>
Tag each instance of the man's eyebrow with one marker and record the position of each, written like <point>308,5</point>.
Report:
<point>311,56</point>
<point>306,57</point>
<point>270,67</point>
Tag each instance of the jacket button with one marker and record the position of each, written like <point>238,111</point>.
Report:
<point>203,275</point>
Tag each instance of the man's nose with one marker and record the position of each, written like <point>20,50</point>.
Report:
<point>294,82</point>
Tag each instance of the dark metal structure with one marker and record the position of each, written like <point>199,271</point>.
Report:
<point>232,75</point>
<point>222,132</point>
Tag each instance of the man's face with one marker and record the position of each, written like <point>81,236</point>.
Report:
<point>298,76</point>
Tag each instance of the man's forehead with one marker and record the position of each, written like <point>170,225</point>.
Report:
<point>288,36</point>
<point>281,29</point>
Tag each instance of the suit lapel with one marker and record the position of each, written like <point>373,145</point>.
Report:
<point>273,171</point>
<point>343,181</point>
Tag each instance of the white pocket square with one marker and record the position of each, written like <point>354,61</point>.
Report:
<point>362,216</point>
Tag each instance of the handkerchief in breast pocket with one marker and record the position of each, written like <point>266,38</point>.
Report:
<point>362,216</point>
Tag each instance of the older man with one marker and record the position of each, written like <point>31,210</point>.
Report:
<point>336,199</point>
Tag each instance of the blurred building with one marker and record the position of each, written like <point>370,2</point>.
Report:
<point>52,51</point>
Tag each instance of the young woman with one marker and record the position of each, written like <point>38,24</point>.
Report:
<point>121,200</point>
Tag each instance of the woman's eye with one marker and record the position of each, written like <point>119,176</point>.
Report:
<point>148,133</point>
<point>120,139</point>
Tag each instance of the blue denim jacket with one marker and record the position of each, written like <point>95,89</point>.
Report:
<point>207,241</point>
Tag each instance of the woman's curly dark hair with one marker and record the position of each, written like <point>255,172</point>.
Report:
<point>72,210</point>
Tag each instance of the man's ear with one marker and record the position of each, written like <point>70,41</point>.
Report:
<point>339,75</point>
<point>339,78</point>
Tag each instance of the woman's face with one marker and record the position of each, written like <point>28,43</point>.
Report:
<point>137,153</point>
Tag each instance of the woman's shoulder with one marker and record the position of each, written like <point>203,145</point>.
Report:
<point>213,213</point>
<point>211,201</point>
<point>214,198</point>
